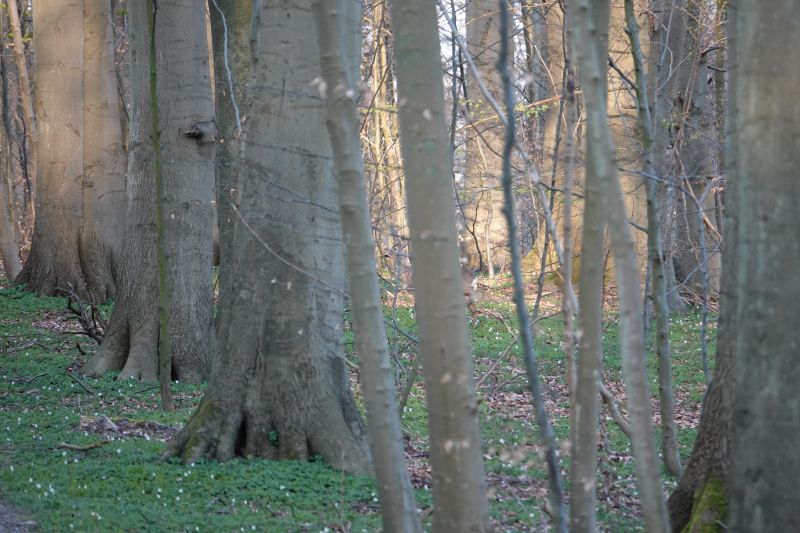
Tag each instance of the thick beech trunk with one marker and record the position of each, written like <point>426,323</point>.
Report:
<point>230,29</point>
<point>282,391</point>
<point>765,419</point>
<point>54,261</point>
<point>104,157</point>
<point>81,160</point>
<point>186,142</point>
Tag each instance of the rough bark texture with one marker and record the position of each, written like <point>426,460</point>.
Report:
<point>28,114</point>
<point>54,262</point>
<point>459,490</point>
<point>9,252</point>
<point>341,77</point>
<point>765,420</point>
<point>486,235</point>
<point>230,28</point>
<point>81,159</point>
<point>184,96</point>
<point>591,59</point>
<point>104,157</point>
<point>288,375</point>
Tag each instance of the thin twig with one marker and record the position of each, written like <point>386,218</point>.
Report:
<point>80,383</point>
<point>500,359</point>
<point>34,378</point>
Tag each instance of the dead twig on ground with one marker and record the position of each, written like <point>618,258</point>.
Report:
<point>81,384</point>
<point>86,448</point>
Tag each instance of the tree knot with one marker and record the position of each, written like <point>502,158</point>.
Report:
<point>203,132</point>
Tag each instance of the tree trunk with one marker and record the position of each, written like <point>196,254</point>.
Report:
<point>667,48</point>
<point>9,251</point>
<point>398,503</point>
<point>486,237</point>
<point>104,157</point>
<point>282,391</point>
<point>79,146</point>
<point>697,255</point>
<point>230,28</point>
<point>584,423</point>
<point>591,56</point>
<point>459,489</point>
<point>54,261</point>
<point>9,254</point>
<point>26,97</point>
<point>707,472</point>
<point>655,254</point>
<point>186,139</point>
<point>765,421</point>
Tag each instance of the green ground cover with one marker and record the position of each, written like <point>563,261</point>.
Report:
<point>121,486</point>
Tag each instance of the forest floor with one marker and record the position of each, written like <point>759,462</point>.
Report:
<point>81,454</point>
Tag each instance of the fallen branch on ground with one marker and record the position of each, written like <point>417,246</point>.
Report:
<point>76,448</point>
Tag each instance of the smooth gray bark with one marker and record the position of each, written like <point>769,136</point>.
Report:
<point>585,413</point>
<point>766,407</point>
<point>340,76</point>
<point>591,59</point>
<point>104,156</point>
<point>655,254</point>
<point>54,262</point>
<point>459,486</point>
<point>282,391</point>
<point>708,467</point>
<point>186,142</point>
<point>230,28</point>
<point>667,47</point>
<point>81,162</point>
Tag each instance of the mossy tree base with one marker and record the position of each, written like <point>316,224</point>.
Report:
<point>710,508</point>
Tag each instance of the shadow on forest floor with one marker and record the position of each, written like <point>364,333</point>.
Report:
<point>83,458</point>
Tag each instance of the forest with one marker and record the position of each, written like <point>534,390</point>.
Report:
<point>399,265</point>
